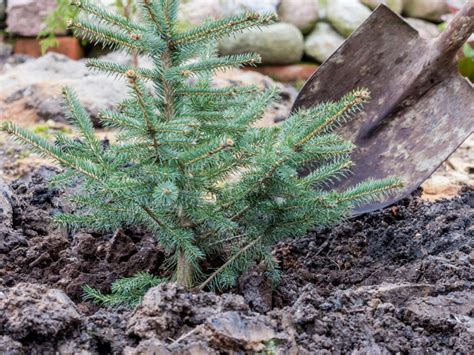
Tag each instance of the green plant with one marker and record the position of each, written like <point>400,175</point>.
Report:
<point>181,139</point>
<point>65,11</point>
<point>126,8</point>
<point>127,292</point>
<point>56,22</point>
<point>466,64</point>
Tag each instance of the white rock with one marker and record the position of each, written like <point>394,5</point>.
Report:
<point>279,43</point>
<point>301,13</point>
<point>25,17</point>
<point>346,15</point>
<point>34,88</point>
<point>38,84</point>
<point>195,12</point>
<point>395,5</point>
<point>425,29</point>
<point>322,42</point>
<point>108,3</point>
<point>6,50</point>
<point>233,7</point>
<point>323,9</point>
<point>425,9</point>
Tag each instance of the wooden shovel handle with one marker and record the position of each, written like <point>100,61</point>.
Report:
<point>457,32</point>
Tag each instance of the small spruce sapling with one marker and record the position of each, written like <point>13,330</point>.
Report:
<point>180,139</point>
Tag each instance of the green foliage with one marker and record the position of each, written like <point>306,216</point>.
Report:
<point>127,292</point>
<point>56,22</point>
<point>466,64</point>
<point>180,140</point>
<point>126,8</point>
<point>65,11</point>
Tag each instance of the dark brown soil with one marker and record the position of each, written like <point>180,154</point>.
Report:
<point>413,242</point>
<point>35,251</point>
<point>399,280</point>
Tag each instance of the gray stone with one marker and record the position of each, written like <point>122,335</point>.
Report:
<point>426,9</point>
<point>195,12</point>
<point>279,43</point>
<point>37,85</point>
<point>199,323</point>
<point>346,15</point>
<point>125,59</point>
<point>301,13</point>
<point>6,210</point>
<point>233,7</point>
<point>34,87</point>
<point>395,5</point>
<point>25,17</point>
<point>164,308</point>
<point>30,310</point>
<point>6,50</point>
<point>425,29</point>
<point>251,333</point>
<point>108,3</point>
<point>322,42</point>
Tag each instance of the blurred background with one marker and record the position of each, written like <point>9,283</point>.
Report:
<point>38,56</point>
<point>307,33</point>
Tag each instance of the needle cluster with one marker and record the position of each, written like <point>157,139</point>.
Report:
<point>179,141</point>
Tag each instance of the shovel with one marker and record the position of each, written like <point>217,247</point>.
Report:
<point>421,108</point>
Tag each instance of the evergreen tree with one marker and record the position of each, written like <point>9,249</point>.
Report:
<point>180,139</point>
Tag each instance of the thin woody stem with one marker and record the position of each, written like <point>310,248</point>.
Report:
<point>147,4</point>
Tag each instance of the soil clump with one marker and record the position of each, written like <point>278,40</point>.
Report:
<point>398,280</point>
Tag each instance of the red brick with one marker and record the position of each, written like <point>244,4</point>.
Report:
<point>68,46</point>
<point>287,73</point>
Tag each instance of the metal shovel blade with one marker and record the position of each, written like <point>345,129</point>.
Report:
<point>421,109</point>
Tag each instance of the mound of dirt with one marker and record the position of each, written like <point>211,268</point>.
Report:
<point>414,241</point>
<point>36,312</point>
<point>33,250</point>
<point>399,280</point>
<point>38,319</point>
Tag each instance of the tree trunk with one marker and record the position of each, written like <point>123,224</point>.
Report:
<point>184,271</point>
